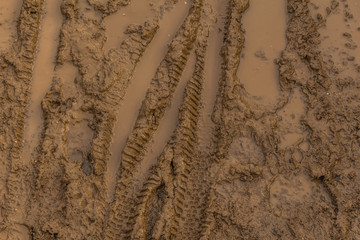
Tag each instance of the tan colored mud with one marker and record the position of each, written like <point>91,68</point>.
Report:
<point>42,74</point>
<point>265,39</point>
<point>143,74</point>
<point>173,119</point>
<point>137,12</point>
<point>9,12</point>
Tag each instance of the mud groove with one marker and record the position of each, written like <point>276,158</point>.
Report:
<point>186,166</point>
<point>170,120</point>
<point>231,59</point>
<point>42,74</point>
<point>216,13</point>
<point>89,103</point>
<point>156,101</point>
<point>171,173</point>
<point>9,13</point>
<point>16,75</point>
<point>136,92</point>
<point>147,131</point>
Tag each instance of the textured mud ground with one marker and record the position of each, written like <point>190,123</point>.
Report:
<point>173,119</point>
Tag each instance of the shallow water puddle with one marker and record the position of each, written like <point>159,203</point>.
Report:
<point>9,13</point>
<point>137,12</point>
<point>265,24</point>
<point>144,72</point>
<point>43,70</point>
<point>317,7</point>
<point>170,120</point>
<point>212,73</point>
<point>87,11</point>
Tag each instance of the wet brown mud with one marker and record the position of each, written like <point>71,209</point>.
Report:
<point>173,119</point>
<point>9,14</point>
<point>264,41</point>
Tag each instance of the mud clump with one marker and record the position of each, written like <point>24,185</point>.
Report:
<point>254,167</point>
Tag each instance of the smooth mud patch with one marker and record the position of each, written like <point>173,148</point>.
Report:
<point>43,71</point>
<point>286,192</point>
<point>264,24</point>
<point>9,12</point>
<point>144,72</point>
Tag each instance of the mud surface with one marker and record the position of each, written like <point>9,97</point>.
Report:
<point>173,119</point>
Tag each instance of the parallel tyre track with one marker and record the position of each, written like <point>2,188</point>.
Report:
<point>153,108</point>
<point>164,190</point>
<point>15,80</point>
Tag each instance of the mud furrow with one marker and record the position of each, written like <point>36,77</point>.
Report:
<point>168,25</point>
<point>229,83</point>
<point>16,75</point>
<point>42,75</point>
<point>128,147</point>
<point>168,123</point>
<point>82,186</point>
<point>154,105</point>
<point>162,191</point>
<point>186,165</point>
<point>113,96</point>
<point>227,93</point>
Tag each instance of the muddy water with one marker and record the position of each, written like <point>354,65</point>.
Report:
<point>212,71</point>
<point>43,71</point>
<point>291,116</point>
<point>264,41</point>
<point>9,12</point>
<point>136,91</point>
<point>137,12</point>
<point>290,173</point>
<point>319,7</point>
<point>169,121</point>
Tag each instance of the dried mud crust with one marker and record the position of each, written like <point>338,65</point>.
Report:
<point>246,184</point>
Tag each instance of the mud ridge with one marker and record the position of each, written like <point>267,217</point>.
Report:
<point>151,112</point>
<point>149,130</point>
<point>16,75</point>
<point>171,176</point>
